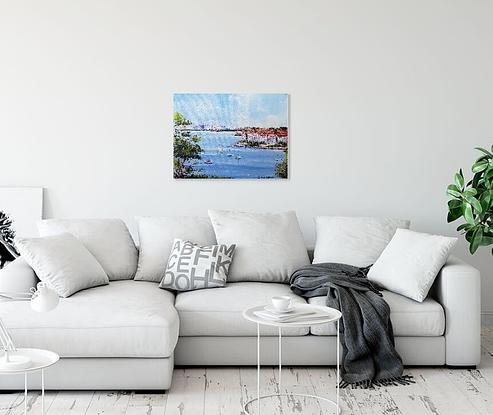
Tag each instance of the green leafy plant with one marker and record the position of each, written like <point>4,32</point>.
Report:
<point>473,201</point>
<point>186,148</point>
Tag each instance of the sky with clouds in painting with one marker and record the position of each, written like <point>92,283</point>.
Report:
<point>234,110</point>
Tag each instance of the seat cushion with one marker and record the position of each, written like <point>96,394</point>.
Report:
<point>218,311</point>
<point>123,319</point>
<point>409,318</point>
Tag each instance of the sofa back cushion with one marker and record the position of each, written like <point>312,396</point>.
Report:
<point>269,246</point>
<point>63,262</point>
<point>356,241</point>
<point>156,236</point>
<point>107,239</point>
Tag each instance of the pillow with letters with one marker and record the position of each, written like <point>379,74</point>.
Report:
<point>193,267</point>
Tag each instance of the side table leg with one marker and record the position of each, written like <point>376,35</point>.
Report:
<point>280,359</point>
<point>42,391</point>
<point>337,369</point>
<point>25,393</point>
<point>258,368</point>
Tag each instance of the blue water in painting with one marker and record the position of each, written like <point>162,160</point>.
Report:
<point>254,163</point>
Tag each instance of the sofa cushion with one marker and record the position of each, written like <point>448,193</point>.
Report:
<point>218,311</point>
<point>156,236</point>
<point>123,319</point>
<point>410,263</point>
<point>409,318</point>
<point>269,246</point>
<point>63,262</point>
<point>107,239</point>
<point>356,241</point>
<point>194,267</point>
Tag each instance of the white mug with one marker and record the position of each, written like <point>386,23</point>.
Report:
<point>281,303</point>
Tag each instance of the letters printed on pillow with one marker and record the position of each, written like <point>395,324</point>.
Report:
<point>193,267</point>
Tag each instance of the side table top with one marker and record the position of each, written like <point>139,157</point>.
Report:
<point>332,315</point>
<point>40,359</point>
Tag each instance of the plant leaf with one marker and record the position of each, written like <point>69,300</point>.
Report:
<point>459,180</point>
<point>477,237</point>
<point>454,204</point>
<point>479,166</point>
<point>468,215</point>
<point>470,192</point>
<point>487,240</point>
<point>474,202</point>
<point>464,227</point>
<point>453,190</point>
<point>484,150</point>
<point>485,200</point>
<point>454,214</point>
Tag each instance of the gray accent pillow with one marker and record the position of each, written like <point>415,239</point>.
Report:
<point>63,262</point>
<point>193,267</point>
<point>107,239</point>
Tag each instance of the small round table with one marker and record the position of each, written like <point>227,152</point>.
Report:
<point>332,314</point>
<point>40,360</point>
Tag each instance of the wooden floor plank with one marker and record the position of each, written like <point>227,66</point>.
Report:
<point>108,403</point>
<point>476,387</point>
<point>268,386</point>
<point>187,393</point>
<point>432,394</point>
<point>8,402</point>
<point>324,381</point>
<point>71,403</point>
<point>222,391</point>
<point>147,404</point>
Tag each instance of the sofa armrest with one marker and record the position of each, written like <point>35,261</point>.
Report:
<point>17,277</point>
<point>458,290</point>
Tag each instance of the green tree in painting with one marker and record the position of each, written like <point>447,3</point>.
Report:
<point>282,167</point>
<point>186,148</point>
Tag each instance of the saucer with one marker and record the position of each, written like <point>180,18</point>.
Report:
<point>271,309</point>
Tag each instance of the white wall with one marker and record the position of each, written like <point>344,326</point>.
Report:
<point>388,99</point>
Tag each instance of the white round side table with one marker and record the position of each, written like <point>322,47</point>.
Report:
<point>40,360</point>
<point>332,314</point>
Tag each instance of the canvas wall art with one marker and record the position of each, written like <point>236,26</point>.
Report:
<point>230,136</point>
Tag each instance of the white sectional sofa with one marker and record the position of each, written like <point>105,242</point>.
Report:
<point>130,334</point>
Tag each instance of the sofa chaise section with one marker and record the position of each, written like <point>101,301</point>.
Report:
<point>120,334</point>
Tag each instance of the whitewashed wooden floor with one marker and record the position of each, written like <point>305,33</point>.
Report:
<point>222,391</point>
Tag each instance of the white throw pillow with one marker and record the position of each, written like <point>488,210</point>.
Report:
<point>410,263</point>
<point>193,267</point>
<point>269,246</point>
<point>156,236</point>
<point>356,241</point>
<point>63,262</point>
<point>107,239</point>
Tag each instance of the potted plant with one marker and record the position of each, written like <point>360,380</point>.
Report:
<point>7,249</point>
<point>473,201</point>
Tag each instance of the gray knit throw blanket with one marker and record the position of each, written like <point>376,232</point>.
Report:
<point>369,357</point>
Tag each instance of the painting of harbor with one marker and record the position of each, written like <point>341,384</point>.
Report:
<point>230,136</point>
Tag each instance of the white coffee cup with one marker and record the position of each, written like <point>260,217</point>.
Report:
<point>281,302</point>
